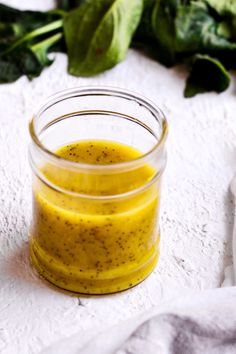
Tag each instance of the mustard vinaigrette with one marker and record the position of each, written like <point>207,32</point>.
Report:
<point>86,252</point>
<point>95,226</point>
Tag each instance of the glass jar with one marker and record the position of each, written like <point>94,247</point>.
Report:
<point>95,226</point>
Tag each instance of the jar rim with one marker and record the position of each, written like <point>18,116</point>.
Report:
<point>103,91</point>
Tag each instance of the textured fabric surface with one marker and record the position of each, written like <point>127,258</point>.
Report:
<point>174,334</point>
<point>193,324</point>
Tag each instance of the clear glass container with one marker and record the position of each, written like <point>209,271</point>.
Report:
<point>95,227</point>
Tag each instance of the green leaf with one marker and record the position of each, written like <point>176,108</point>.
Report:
<point>69,4</point>
<point>163,27</point>
<point>197,30</point>
<point>227,28</point>
<point>6,30</point>
<point>33,34</point>
<point>19,27</point>
<point>191,23</point>
<point>98,34</point>
<point>224,30</point>
<point>26,37</point>
<point>207,74</point>
<point>223,7</point>
<point>175,29</point>
<point>144,29</point>
<point>9,71</point>
<point>29,60</point>
<point>21,62</point>
<point>42,48</point>
<point>26,21</point>
<point>157,31</point>
<point>144,38</point>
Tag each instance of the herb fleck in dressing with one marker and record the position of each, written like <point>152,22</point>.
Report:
<point>95,245</point>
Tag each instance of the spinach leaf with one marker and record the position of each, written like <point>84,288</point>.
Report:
<point>144,38</point>
<point>69,4</point>
<point>191,23</point>
<point>156,31</point>
<point>207,74</point>
<point>9,71</point>
<point>174,29</point>
<point>223,7</point>
<point>29,60</point>
<point>98,34</point>
<point>23,22</point>
<point>197,30</point>
<point>16,24</point>
<point>26,38</point>
<point>21,62</point>
<point>144,30</point>
<point>163,27</point>
<point>42,48</point>
<point>51,27</point>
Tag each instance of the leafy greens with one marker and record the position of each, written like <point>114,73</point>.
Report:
<point>97,34</point>
<point>26,37</point>
<point>206,74</point>
<point>181,29</point>
<point>102,31</point>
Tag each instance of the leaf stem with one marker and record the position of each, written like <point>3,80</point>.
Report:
<point>48,42</point>
<point>40,48</point>
<point>35,33</point>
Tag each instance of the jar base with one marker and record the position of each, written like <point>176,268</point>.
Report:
<point>88,286</point>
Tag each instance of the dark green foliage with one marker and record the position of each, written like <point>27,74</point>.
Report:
<point>26,38</point>
<point>21,62</point>
<point>96,35</point>
<point>223,7</point>
<point>207,74</point>
<point>156,29</point>
<point>67,5</point>
<point>197,30</point>
<point>178,29</point>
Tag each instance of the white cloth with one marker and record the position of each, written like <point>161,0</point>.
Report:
<point>192,324</point>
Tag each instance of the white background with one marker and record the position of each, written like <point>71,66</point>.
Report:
<point>197,210</point>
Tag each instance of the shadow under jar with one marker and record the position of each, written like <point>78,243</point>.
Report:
<point>97,156</point>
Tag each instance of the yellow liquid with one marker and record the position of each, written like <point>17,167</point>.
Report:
<point>89,245</point>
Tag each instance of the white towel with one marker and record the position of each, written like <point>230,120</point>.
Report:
<point>192,324</point>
